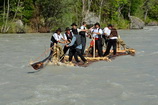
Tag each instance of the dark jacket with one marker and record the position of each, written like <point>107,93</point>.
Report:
<point>114,32</point>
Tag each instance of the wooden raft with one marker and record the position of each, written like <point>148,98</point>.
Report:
<point>92,59</point>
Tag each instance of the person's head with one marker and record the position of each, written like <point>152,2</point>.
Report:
<point>67,30</point>
<point>58,31</point>
<point>84,24</point>
<point>110,26</point>
<point>74,25</point>
<point>97,25</point>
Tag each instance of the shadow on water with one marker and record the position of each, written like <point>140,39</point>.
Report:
<point>35,71</point>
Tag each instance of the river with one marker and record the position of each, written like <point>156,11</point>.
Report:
<point>127,80</point>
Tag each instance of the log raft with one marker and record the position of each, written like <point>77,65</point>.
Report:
<point>92,59</point>
<point>122,49</point>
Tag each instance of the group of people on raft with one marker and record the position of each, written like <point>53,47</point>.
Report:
<point>75,40</point>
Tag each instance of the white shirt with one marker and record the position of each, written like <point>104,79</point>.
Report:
<point>83,28</point>
<point>97,30</point>
<point>78,30</point>
<point>107,31</point>
<point>113,38</point>
<point>65,37</point>
<point>57,37</point>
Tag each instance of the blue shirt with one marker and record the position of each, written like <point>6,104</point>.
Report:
<point>73,41</point>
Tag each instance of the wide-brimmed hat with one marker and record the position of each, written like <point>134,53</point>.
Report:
<point>97,24</point>
<point>73,24</point>
<point>67,29</point>
<point>58,30</point>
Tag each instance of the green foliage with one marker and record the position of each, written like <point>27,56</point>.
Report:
<point>12,28</point>
<point>27,11</point>
<point>51,14</point>
<point>153,14</point>
<point>135,6</point>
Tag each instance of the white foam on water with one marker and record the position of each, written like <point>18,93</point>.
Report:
<point>152,96</point>
<point>154,53</point>
<point>4,83</point>
<point>140,53</point>
<point>113,84</point>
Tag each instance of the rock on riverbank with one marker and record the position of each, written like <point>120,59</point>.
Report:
<point>136,23</point>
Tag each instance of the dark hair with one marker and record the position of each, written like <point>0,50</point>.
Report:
<point>67,29</point>
<point>110,25</point>
<point>58,30</point>
<point>97,24</point>
<point>83,23</point>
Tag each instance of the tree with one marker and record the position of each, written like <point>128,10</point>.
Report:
<point>50,12</point>
<point>6,10</point>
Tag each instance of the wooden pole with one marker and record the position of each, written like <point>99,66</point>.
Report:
<point>94,48</point>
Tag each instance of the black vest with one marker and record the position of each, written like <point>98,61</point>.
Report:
<point>69,36</point>
<point>83,33</point>
<point>75,31</point>
<point>99,35</point>
<point>53,39</point>
<point>78,41</point>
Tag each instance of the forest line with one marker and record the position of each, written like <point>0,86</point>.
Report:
<point>47,15</point>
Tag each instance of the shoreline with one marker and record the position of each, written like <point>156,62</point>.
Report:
<point>63,32</point>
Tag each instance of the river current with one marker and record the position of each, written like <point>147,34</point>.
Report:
<point>127,80</point>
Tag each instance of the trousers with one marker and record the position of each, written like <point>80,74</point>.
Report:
<point>111,43</point>
<point>83,41</point>
<point>98,46</point>
<point>76,52</point>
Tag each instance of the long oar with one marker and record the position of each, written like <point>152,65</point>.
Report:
<point>43,54</point>
<point>40,64</point>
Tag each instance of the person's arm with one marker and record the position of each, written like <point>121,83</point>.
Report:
<point>98,33</point>
<point>62,42</point>
<point>56,37</point>
<point>72,42</point>
<point>72,32</point>
<point>92,31</point>
<point>65,37</point>
<point>91,28</point>
<point>106,32</point>
<point>82,28</point>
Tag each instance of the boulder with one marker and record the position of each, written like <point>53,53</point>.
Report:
<point>91,18</point>
<point>19,26</point>
<point>136,23</point>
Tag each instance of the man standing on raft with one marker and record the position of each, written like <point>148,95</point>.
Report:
<point>83,36</point>
<point>112,42</point>
<point>76,45</point>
